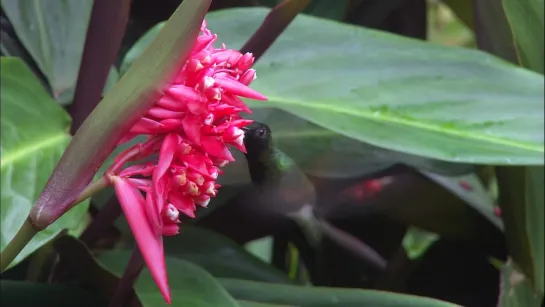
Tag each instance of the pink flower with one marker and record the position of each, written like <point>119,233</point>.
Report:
<point>189,132</point>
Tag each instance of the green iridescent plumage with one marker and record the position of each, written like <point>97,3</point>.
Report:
<point>282,186</point>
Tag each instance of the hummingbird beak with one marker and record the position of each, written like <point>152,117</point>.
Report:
<point>245,129</point>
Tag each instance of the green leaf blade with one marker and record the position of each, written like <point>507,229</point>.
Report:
<point>522,204</point>
<point>54,34</point>
<point>190,285</point>
<point>34,134</point>
<point>526,20</point>
<point>446,103</point>
<point>304,296</point>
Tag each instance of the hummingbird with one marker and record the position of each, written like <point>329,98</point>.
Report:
<point>281,189</point>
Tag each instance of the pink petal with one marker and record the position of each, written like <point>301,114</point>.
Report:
<point>184,93</point>
<point>184,204</point>
<point>146,126</point>
<point>171,124</point>
<point>239,89</point>
<point>170,103</point>
<point>171,230</point>
<point>166,155</point>
<point>192,128</point>
<point>215,147</point>
<point>230,56</point>
<point>163,113</point>
<point>149,241</point>
<point>203,41</point>
<point>235,102</point>
<point>248,77</point>
<point>195,162</point>
<point>246,61</point>
<point>141,184</point>
<point>197,107</point>
<point>144,169</point>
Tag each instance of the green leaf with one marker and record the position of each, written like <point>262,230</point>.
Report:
<point>417,242</point>
<point>190,285</point>
<point>304,296</point>
<point>415,200</point>
<point>262,248</point>
<point>470,189</point>
<point>522,202</point>
<point>54,34</point>
<point>220,256</point>
<point>34,135</point>
<point>440,102</point>
<point>325,154</point>
<point>526,20</point>
<point>26,294</point>
<point>320,8</point>
<point>516,289</point>
<point>243,303</point>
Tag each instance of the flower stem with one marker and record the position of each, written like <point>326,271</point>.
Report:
<point>16,245</point>
<point>91,189</point>
<point>124,291</point>
<point>28,231</point>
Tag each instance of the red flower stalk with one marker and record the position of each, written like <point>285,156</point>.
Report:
<point>189,130</point>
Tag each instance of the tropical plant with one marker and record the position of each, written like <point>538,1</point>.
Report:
<point>405,169</point>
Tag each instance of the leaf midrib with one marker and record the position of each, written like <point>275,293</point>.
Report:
<point>407,123</point>
<point>21,153</point>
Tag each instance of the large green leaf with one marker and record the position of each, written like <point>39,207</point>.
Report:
<point>325,153</point>
<point>516,289</point>
<point>34,135</point>
<point>303,296</point>
<point>321,8</point>
<point>189,284</point>
<point>54,34</point>
<point>441,102</point>
<point>243,303</point>
<point>414,200</point>
<point>470,189</point>
<point>220,256</point>
<point>526,20</point>
<point>522,202</point>
<point>26,294</point>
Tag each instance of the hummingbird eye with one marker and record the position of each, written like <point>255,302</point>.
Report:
<point>261,133</point>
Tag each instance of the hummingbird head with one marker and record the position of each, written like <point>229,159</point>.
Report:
<point>257,137</point>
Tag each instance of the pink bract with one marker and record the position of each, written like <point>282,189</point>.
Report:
<point>189,131</point>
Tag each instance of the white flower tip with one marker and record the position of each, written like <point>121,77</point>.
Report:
<point>208,82</point>
<point>172,213</point>
<point>205,203</point>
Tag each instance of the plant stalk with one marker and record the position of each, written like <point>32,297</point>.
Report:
<point>93,188</point>
<point>123,291</point>
<point>28,230</point>
<point>16,245</point>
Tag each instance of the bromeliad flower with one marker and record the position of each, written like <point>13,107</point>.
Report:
<point>188,133</point>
